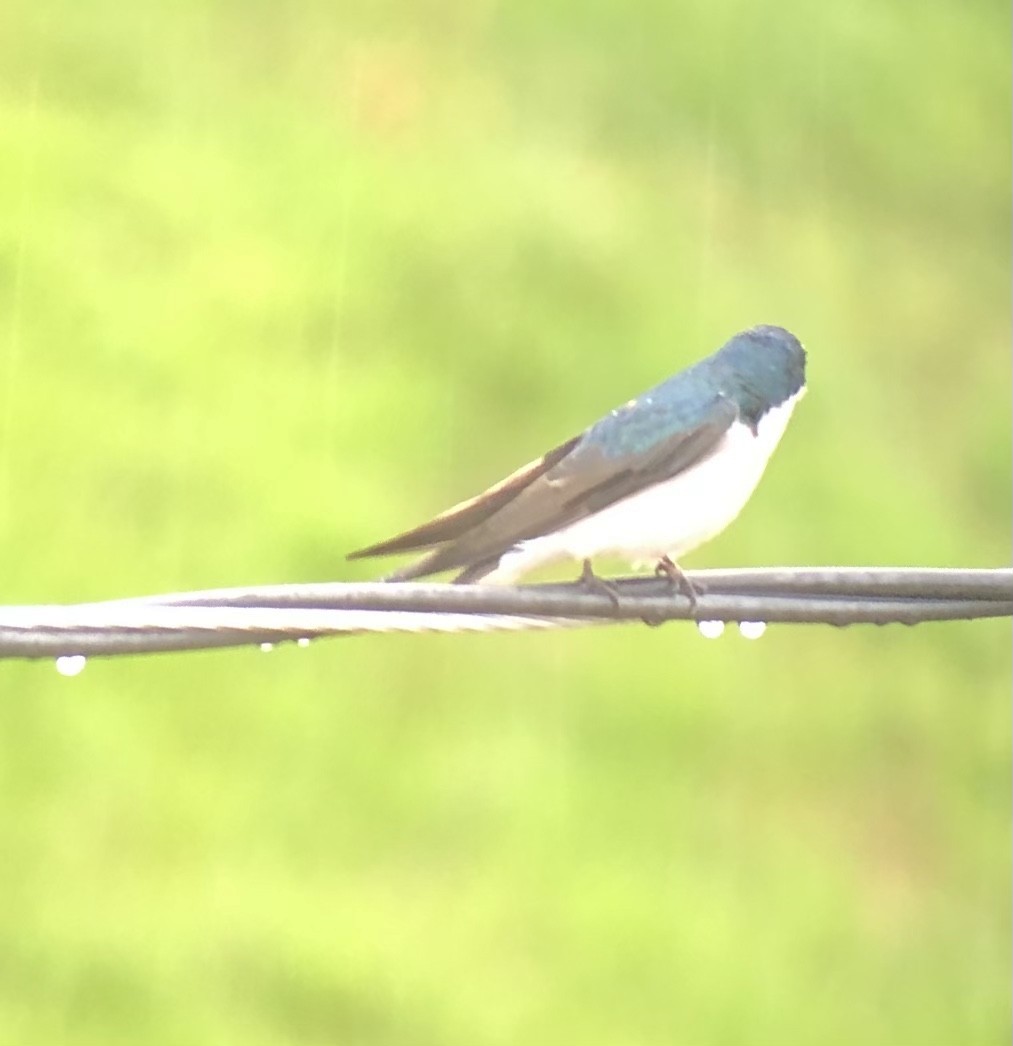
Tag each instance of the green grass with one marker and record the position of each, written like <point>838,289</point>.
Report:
<point>278,280</point>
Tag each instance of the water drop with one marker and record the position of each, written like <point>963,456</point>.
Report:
<point>303,641</point>
<point>266,647</point>
<point>752,629</point>
<point>71,664</point>
<point>711,629</point>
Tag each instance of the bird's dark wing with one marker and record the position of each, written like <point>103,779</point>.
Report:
<point>632,448</point>
<point>467,514</point>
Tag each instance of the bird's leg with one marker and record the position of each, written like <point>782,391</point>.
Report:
<point>590,580</point>
<point>667,567</point>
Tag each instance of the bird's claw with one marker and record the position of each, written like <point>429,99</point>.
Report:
<point>668,568</point>
<point>598,585</point>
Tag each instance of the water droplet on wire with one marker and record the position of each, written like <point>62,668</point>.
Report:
<point>71,664</point>
<point>711,629</point>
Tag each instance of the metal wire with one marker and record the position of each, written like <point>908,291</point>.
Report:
<point>279,613</point>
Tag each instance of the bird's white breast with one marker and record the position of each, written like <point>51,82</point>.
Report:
<point>670,518</point>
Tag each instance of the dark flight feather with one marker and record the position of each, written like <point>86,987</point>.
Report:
<point>465,514</point>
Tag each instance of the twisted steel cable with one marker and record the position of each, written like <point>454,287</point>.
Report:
<point>278,613</point>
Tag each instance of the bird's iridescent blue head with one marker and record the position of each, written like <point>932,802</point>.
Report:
<point>760,368</point>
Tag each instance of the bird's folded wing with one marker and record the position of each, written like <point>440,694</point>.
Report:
<point>578,478</point>
<point>466,514</point>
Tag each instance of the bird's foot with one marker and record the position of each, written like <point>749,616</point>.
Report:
<point>598,585</point>
<point>668,568</point>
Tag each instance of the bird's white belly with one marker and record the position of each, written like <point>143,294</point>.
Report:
<point>670,518</point>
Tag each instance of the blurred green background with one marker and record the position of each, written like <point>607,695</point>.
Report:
<point>279,279</point>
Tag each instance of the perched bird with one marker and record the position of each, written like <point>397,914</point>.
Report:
<point>650,481</point>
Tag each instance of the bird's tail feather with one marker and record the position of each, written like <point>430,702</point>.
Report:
<point>436,561</point>
<point>427,564</point>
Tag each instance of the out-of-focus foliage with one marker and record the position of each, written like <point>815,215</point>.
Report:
<point>279,279</point>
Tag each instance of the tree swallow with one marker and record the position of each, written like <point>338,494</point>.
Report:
<point>649,482</point>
